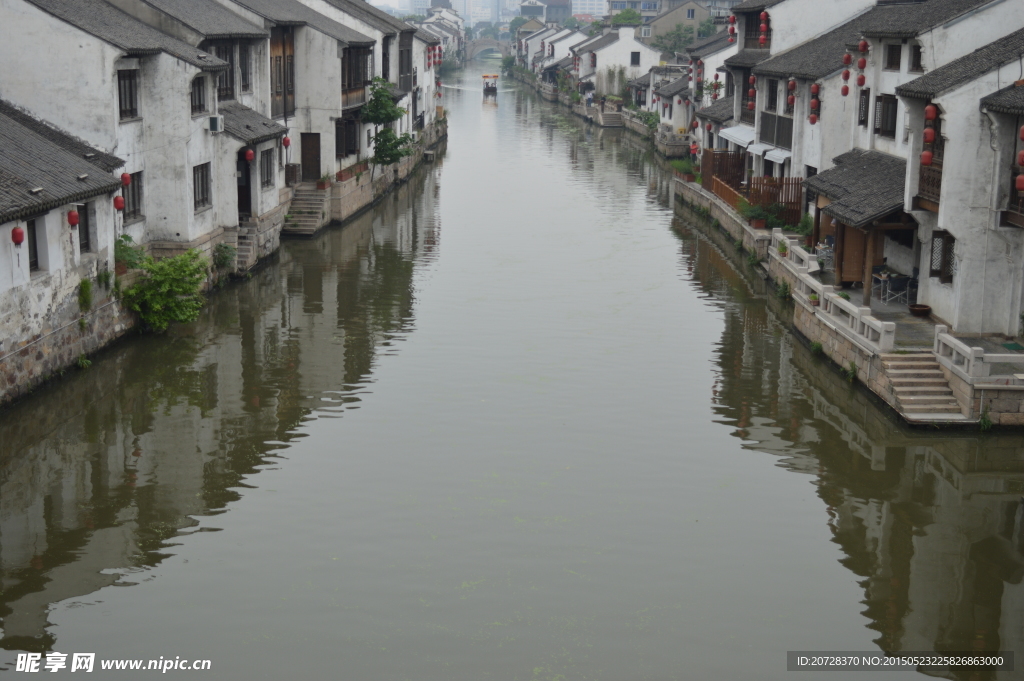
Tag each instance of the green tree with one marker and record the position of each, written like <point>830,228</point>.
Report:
<point>514,25</point>
<point>571,22</point>
<point>627,17</point>
<point>706,28</point>
<point>674,40</point>
<point>170,290</point>
<point>381,110</point>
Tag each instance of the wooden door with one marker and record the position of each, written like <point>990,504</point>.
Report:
<point>855,243</point>
<point>310,156</point>
<point>244,186</point>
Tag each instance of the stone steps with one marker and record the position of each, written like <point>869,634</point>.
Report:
<point>920,387</point>
<point>306,211</point>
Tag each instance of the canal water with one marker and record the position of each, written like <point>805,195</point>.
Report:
<point>516,422</point>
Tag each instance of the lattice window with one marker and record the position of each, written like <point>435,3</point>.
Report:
<point>943,263</point>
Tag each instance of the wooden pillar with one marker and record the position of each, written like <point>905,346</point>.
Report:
<point>869,261</point>
<point>816,233</point>
<point>838,252</point>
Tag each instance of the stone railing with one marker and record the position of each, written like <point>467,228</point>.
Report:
<point>972,363</point>
<point>852,321</point>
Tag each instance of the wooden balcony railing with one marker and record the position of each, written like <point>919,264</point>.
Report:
<point>1014,213</point>
<point>353,97</point>
<point>930,186</point>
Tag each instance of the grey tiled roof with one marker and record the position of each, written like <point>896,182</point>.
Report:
<point>247,125</point>
<point>81,149</point>
<point>428,37</point>
<point>1009,100</point>
<point>747,58</point>
<point>209,18</point>
<point>676,87</point>
<point>113,26</point>
<point>720,110</point>
<point>602,42</point>
<point>563,63</point>
<point>294,13</point>
<point>1007,49</point>
<point>29,160</point>
<point>754,5</point>
<point>379,19</point>
<point>908,19</point>
<point>863,186</point>
<point>709,45</point>
<point>642,81</point>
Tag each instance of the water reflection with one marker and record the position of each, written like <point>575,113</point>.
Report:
<point>101,471</point>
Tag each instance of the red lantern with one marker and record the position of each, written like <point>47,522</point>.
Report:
<point>847,59</point>
<point>762,40</point>
<point>708,126</point>
<point>764,16</point>
<point>1022,133</point>
<point>1019,183</point>
<point>845,90</point>
<point>732,19</point>
<point>18,236</point>
<point>931,112</point>
<point>926,158</point>
<point>751,93</point>
<point>714,96</point>
<point>716,76</point>
<point>752,80</point>
<point>862,63</point>
<point>732,30</point>
<point>687,102</point>
<point>1020,159</point>
<point>815,88</point>
<point>679,101</point>
<point>731,39</point>
<point>813,118</point>
<point>700,62</point>
<point>846,74</point>
<point>764,28</point>
<point>73,218</point>
<point>861,80</point>
<point>250,155</point>
<point>929,135</point>
<point>119,203</point>
<point>665,105</point>
<point>814,105</point>
<point>286,142</point>
<point>862,46</point>
<point>791,100</point>
<point>750,106</point>
<point>792,85</point>
<point>126,179</point>
<point>696,125</point>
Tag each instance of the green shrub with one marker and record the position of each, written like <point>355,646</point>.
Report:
<point>844,295</point>
<point>985,423</point>
<point>84,362</point>
<point>105,278</point>
<point>682,165</point>
<point>126,254</point>
<point>806,225</point>
<point>816,348</point>
<point>170,291</point>
<point>85,295</point>
<point>753,260</point>
<point>851,372</point>
<point>224,255</point>
<point>783,291</point>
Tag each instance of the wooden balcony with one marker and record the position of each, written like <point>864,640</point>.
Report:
<point>929,188</point>
<point>1013,216</point>
<point>353,97</point>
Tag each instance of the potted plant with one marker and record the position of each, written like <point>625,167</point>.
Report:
<point>813,298</point>
<point>757,216</point>
<point>344,174</point>
<point>783,248</point>
<point>324,182</point>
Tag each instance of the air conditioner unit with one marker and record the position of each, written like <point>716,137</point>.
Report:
<point>216,124</point>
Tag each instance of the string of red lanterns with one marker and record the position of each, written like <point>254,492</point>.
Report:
<point>931,113</point>
<point>732,28</point>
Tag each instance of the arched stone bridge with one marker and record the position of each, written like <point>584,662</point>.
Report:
<point>477,47</point>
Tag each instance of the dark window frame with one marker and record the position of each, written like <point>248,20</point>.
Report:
<point>133,198</point>
<point>201,196</point>
<point>916,64</point>
<point>84,228</point>
<point>267,169</point>
<point>634,59</point>
<point>942,263</point>
<point>32,236</point>
<point>128,93</point>
<point>893,57</point>
<point>864,107</point>
<point>773,95</point>
<point>886,115</point>
<point>198,96</point>
<point>226,78</point>
<point>245,67</point>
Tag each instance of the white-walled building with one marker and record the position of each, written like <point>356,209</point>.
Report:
<point>611,60</point>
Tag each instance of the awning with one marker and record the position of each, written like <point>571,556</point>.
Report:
<point>759,148</point>
<point>738,134</point>
<point>778,155</point>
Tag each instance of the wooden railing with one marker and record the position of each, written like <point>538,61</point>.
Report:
<point>784,191</point>
<point>930,186</point>
<point>726,193</point>
<point>353,97</point>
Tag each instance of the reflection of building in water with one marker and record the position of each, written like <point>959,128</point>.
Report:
<point>98,474</point>
<point>932,522</point>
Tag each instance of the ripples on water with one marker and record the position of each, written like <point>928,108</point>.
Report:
<point>573,442</point>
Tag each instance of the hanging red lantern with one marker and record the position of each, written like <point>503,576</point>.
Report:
<point>665,105</point>
<point>708,127</point>
<point>750,106</point>
<point>847,59</point>
<point>764,28</point>
<point>929,135</point>
<point>732,30</point>
<point>18,236</point>
<point>815,88</point>
<point>250,155</point>
<point>931,112</point>
<point>845,90</point>
<point>791,100</point>
<point>792,85</point>
<point>679,101</point>
<point>1020,158</point>
<point>286,141</point>
<point>752,80</point>
<point>751,93</point>
<point>862,46</point>
<point>813,119</point>
<point>714,96</point>
<point>687,102</point>
<point>762,40</point>
<point>732,19</point>
<point>700,62</point>
<point>73,218</point>
<point>696,125</point>
<point>731,39</point>
<point>846,74</point>
<point>764,16</point>
<point>716,76</point>
<point>1022,133</point>
<point>862,63</point>
<point>126,179</point>
<point>1019,184</point>
<point>926,158</point>
<point>861,80</point>
<point>119,203</point>
<point>814,104</point>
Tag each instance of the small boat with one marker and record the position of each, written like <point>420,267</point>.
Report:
<point>491,84</point>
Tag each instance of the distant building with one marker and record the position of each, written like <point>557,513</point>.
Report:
<point>687,14</point>
<point>533,9</point>
<point>557,10</point>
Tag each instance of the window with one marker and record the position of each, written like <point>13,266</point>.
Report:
<point>199,95</point>
<point>893,53</point>
<point>84,233</point>
<point>128,93</point>
<point>862,107</point>
<point>691,13</point>
<point>730,84</point>
<point>809,172</point>
<point>225,78</point>
<point>634,59</point>
<point>346,137</point>
<point>915,58</point>
<point>267,168</point>
<point>245,67</point>
<point>369,139</point>
<point>201,186</point>
<point>885,115</point>
<point>634,5</point>
<point>133,198</point>
<point>33,246</point>
<point>943,265</point>
<point>773,96</point>
<point>645,32</point>
<point>649,6</point>
<point>618,5</point>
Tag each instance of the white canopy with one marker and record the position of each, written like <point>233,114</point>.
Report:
<point>778,155</point>
<point>738,134</point>
<point>759,148</point>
